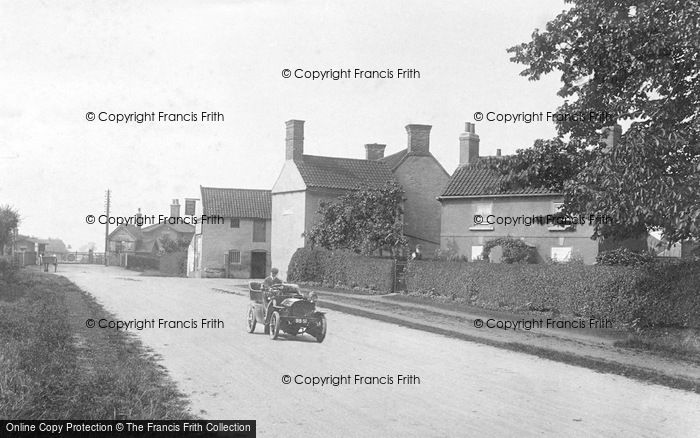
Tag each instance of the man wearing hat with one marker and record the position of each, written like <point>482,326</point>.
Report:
<point>272,279</point>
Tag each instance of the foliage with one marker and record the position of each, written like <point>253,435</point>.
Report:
<point>169,245</point>
<point>514,250</point>
<point>142,263</point>
<point>9,220</point>
<point>624,257</point>
<point>363,221</point>
<point>628,296</point>
<point>8,273</point>
<point>341,269</point>
<point>638,61</point>
<point>173,264</point>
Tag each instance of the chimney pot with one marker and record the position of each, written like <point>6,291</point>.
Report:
<point>468,144</point>
<point>418,139</point>
<point>294,140</point>
<point>374,151</point>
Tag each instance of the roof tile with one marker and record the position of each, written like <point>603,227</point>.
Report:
<point>243,203</point>
<point>342,173</point>
<point>471,181</point>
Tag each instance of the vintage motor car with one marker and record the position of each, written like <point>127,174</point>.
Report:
<point>283,309</point>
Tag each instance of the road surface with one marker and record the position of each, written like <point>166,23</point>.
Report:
<point>465,389</point>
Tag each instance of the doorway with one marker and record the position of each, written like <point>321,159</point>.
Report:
<point>258,263</point>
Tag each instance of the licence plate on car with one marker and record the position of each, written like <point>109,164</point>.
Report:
<point>301,320</point>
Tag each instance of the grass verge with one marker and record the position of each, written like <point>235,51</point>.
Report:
<point>674,342</point>
<point>53,367</point>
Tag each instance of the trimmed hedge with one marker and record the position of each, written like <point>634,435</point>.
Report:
<point>173,264</point>
<point>653,295</point>
<point>624,257</point>
<point>341,269</point>
<point>142,263</point>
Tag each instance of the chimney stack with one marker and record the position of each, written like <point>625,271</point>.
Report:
<point>611,136</point>
<point>374,151</point>
<point>418,139</point>
<point>175,208</point>
<point>139,218</point>
<point>468,145</point>
<point>294,140</point>
<point>498,152</point>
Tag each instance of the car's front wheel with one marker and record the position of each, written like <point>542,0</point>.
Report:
<point>275,325</point>
<point>251,320</point>
<point>320,334</point>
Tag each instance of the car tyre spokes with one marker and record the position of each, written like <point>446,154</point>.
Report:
<point>275,325</point>
<point>320,335</point>
<point>251,320</point>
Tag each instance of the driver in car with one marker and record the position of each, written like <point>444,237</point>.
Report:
<point>272,279</point>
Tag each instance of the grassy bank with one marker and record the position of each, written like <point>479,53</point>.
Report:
<point>671,342</point>
<point>53,367</point>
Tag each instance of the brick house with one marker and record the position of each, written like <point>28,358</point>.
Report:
<point>239,246</point>
<point>422,178</point>
<point>472,191</point>
<point>306,180</point>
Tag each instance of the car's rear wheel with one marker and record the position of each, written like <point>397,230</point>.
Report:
<point>275,325</point>
<point>320,334</point>
<point>251,320</point>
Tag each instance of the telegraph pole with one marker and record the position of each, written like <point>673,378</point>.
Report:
<point>107,202</point>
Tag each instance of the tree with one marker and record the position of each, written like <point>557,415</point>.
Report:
<point>169,245</point>
<point>363,220</point>
<point>620,60</point>
<point>9,220</point>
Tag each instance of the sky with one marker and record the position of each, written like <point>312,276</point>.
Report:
<point>61,60</point>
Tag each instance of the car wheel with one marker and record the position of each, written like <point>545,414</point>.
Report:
<point>321,333</point>
<point>251,320</point>
<point>275,325</point>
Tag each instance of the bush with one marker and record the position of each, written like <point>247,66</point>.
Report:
<point>628,296</point>
<point>341,269</point>
<point>623,257</point>
<point>514,250</point>
<point>142,263</point>
<point>173,264</point>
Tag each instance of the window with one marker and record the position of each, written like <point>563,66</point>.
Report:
<point>234,257</point>
<point>561,254</point>
<point>554,226</point>
<point>235,222</point>
<point>476,252</point>
<point>259,230</point>
<point>482,210</point>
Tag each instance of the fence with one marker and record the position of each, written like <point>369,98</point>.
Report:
<point>85,258</point>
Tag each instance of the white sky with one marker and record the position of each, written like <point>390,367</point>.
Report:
<point>59,60</point>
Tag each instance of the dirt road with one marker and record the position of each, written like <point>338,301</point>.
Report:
<point>465,389</point>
